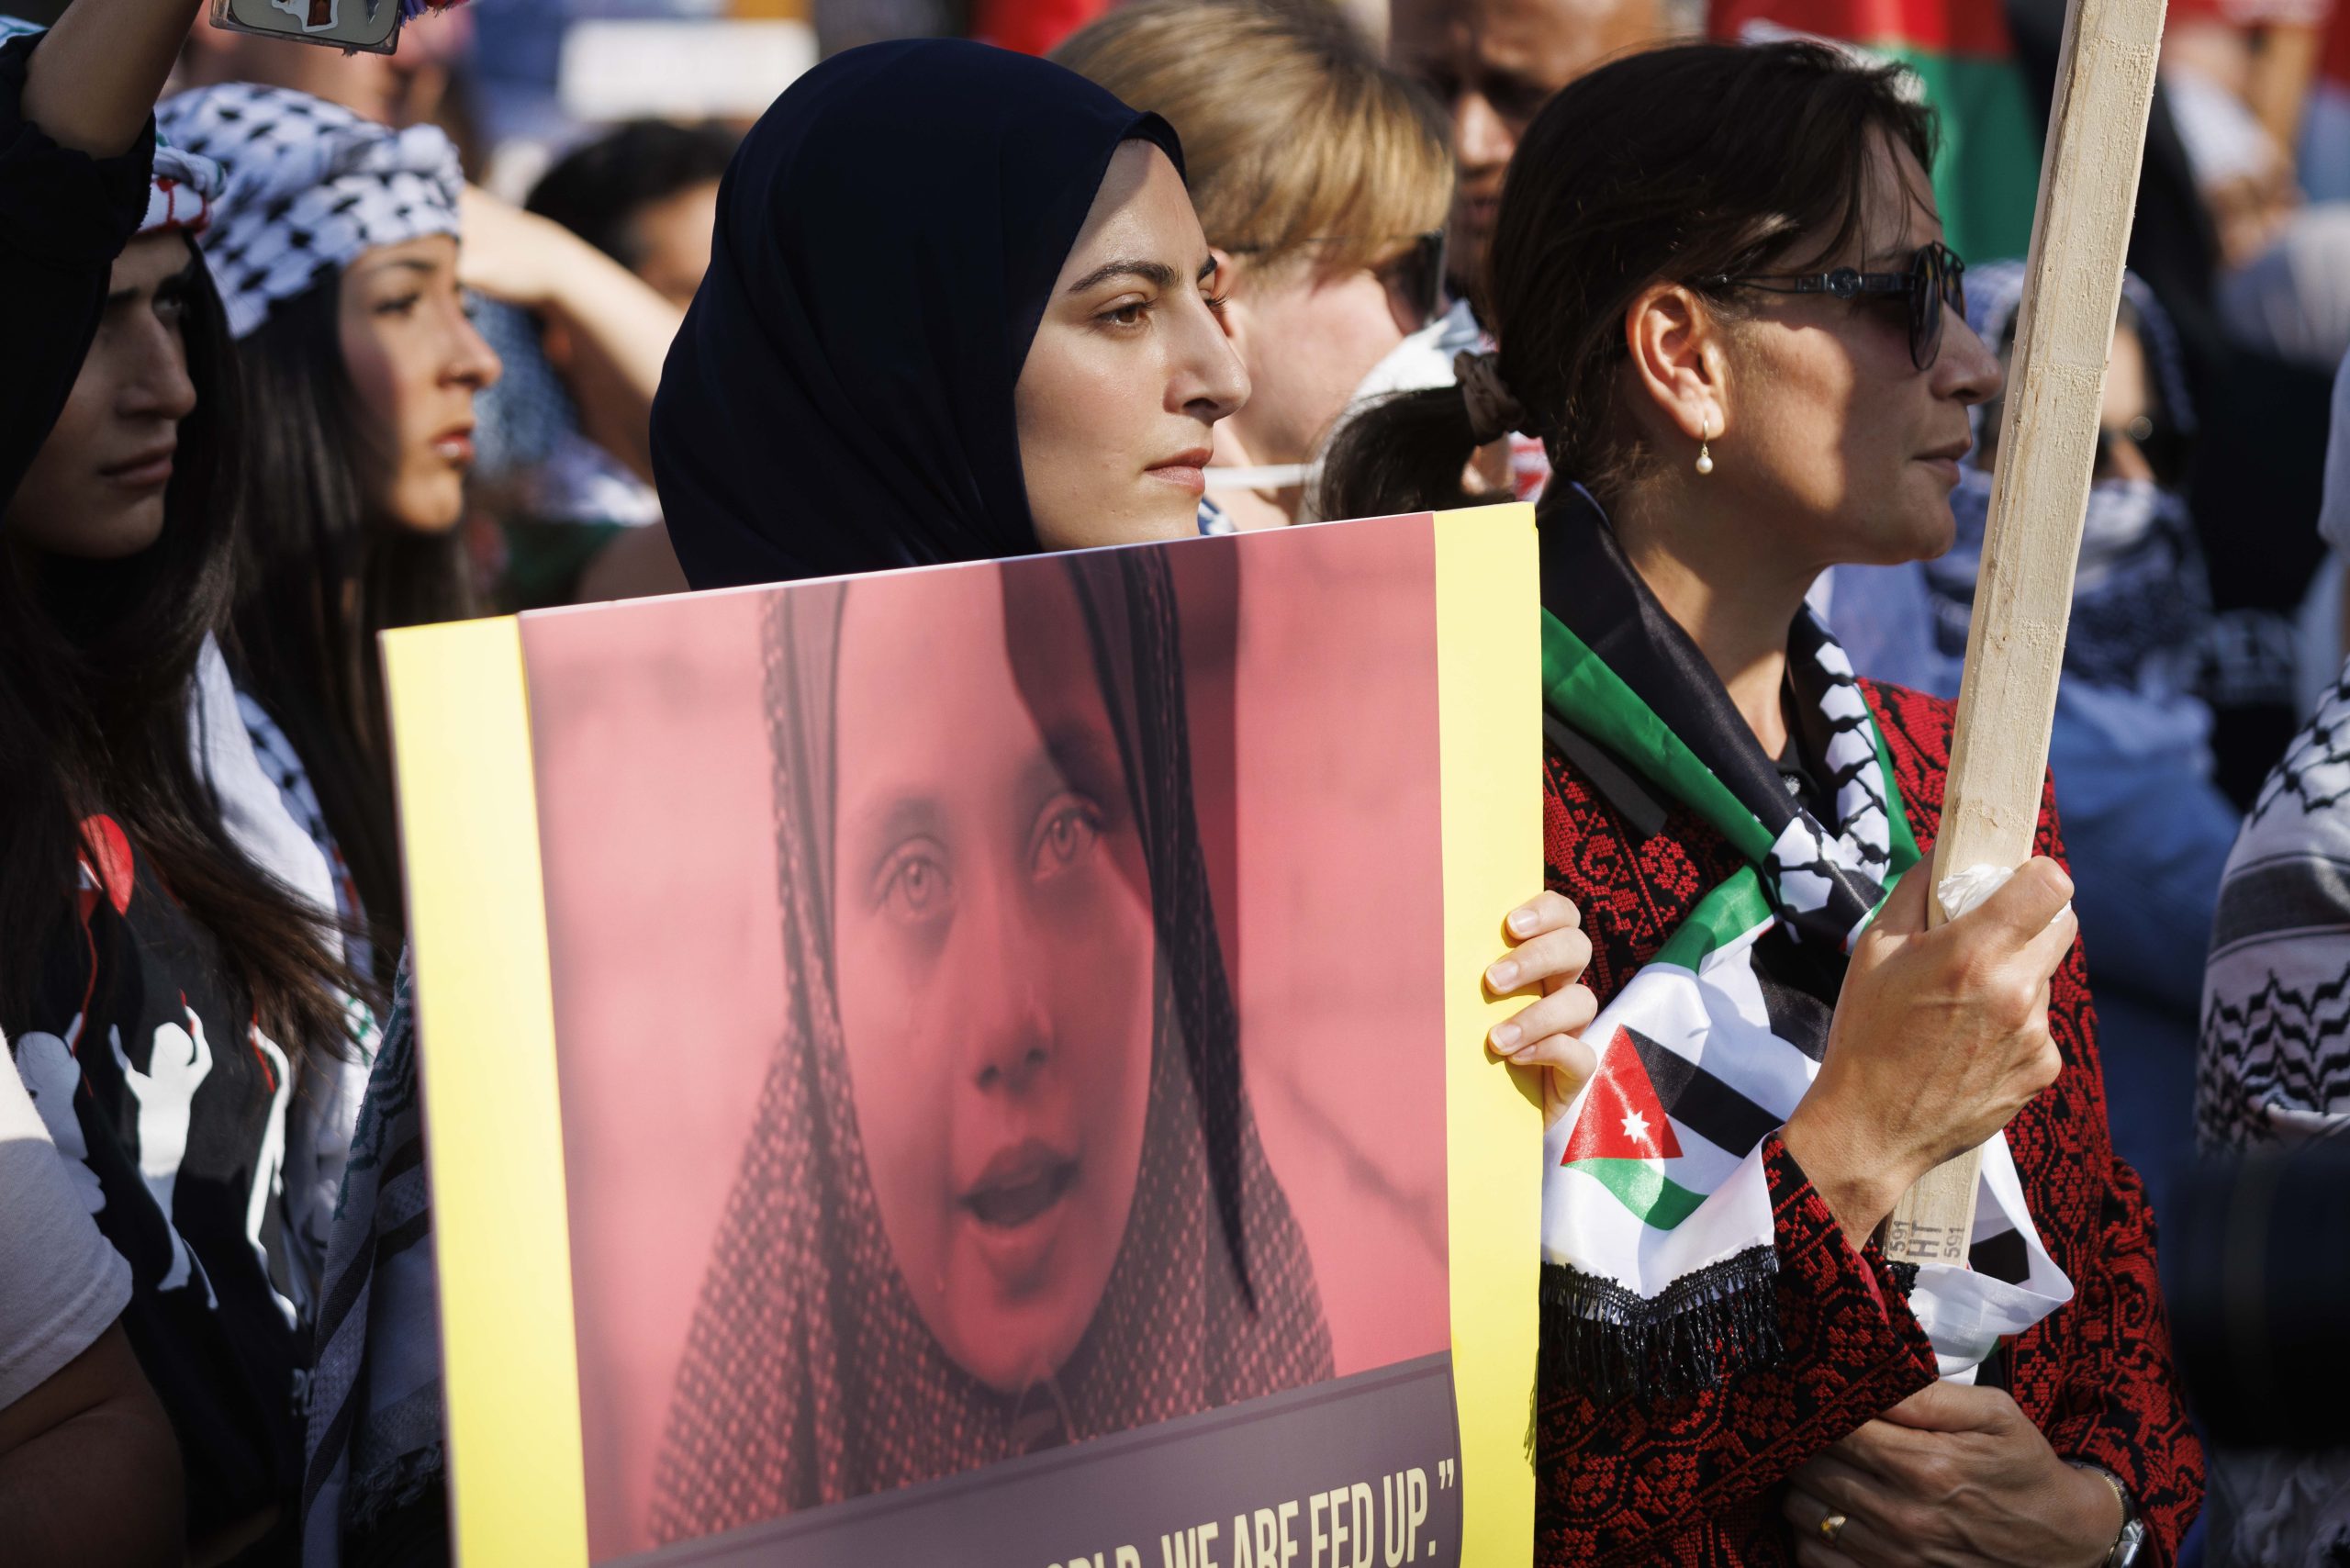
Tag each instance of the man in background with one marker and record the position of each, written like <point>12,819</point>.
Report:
<point>1491,63</point>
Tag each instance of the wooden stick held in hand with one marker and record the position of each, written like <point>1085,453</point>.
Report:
<point>2024,595</point>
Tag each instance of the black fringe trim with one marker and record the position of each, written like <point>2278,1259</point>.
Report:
<point>1905,1278</point>
<point>1613,1343</point>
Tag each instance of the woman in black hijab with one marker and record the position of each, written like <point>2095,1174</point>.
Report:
<point>957,308</point>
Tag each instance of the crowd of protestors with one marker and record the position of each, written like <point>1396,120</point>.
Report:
<point>282,375</point>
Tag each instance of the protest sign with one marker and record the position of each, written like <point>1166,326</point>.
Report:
<point>981,1065</point>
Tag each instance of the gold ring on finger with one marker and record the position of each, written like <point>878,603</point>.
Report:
<point>1831,1527</point>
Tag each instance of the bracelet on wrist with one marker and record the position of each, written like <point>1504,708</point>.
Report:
<point>2128,1541</point>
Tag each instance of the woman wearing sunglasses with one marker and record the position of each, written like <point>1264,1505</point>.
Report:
<point>1321,179</point>
<point>1747,356</point>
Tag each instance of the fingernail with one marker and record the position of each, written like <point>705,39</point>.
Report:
<point>1522,922</point>
<point>1506,1037</point>
<point>1503,975</point>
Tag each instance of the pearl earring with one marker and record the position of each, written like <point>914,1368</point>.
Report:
<point>1705,448</point>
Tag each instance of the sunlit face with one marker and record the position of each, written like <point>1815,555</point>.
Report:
<point>993,950</point>
<point>1491,63</point>
<point>1835,442</point>
<point>1129,369</point>
<point>415,362</point>
<point>95,489</point>
<point>1308,335</point>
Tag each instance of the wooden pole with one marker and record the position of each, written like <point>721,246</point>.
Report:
<point>2031,543</point>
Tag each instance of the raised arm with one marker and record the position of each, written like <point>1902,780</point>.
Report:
<point>74,157</point>
<point>94,83</point>
<point>619,325</point>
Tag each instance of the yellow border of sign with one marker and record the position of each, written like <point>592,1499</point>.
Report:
<point>1489,702</point>
<point>478,922</point>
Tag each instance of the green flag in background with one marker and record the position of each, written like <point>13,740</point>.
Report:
<point>1988,174</point>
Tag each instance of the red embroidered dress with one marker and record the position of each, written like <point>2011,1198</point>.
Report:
<point>1697,1480</point>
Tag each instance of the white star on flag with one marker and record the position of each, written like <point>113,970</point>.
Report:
<point>1636,1128</point>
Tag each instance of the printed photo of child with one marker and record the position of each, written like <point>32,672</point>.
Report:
<point>984,1024</point>
<point>1003,1190</point>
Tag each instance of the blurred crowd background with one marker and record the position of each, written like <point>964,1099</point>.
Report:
<point>2209,620</point>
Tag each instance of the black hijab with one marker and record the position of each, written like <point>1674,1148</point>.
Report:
<point>840,397</point>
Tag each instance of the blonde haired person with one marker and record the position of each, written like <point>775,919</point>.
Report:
<point>1322,178</point>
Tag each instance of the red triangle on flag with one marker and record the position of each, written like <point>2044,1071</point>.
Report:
<point>105,860</point>
<point>1622,1118</point>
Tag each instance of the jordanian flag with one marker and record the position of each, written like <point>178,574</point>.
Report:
<point>1655,1169</point>
<point>1659,1235</point>
<point>1988,174</point>
<point>1656,1212</point>
<point>1646,1106</point>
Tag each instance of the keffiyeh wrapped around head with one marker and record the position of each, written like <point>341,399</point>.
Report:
<point>2142,600</point>
<point>182,190</point>
<point>311,187</point>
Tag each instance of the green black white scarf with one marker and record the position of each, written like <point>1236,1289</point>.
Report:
<point>1658,1241</point>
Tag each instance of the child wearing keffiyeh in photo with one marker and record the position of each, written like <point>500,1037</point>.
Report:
<point>1102,1245</point>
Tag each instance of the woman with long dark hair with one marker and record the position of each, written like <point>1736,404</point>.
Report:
<point>1721,300</point>
<point>169,1003</point>
<point>335,246</point>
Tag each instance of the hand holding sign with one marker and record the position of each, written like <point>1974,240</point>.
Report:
<point>1548,955</point>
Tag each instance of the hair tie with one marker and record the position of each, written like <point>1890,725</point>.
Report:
<point>1493,412</point>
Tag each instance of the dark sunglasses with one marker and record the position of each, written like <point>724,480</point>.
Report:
<point>1416,276</point>
<point>1936,278</point>
<point>2165,447</point>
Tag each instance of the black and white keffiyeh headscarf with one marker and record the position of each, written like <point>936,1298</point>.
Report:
<point>311,187</point>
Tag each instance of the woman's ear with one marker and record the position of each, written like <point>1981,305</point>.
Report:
<point>1677,362</point>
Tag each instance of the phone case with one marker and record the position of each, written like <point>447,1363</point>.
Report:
<point>373,25</point>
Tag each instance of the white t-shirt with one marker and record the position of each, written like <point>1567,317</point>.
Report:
<point>61,1285</point>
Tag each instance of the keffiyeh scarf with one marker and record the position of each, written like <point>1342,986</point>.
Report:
<point>311,187</point>
<point>2142,598</point>
<point>1656,1222</point>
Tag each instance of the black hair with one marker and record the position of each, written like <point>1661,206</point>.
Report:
<point>319,579</point>
<point>1685,164</point>
<point>597,191</point>
<point>98,660</point>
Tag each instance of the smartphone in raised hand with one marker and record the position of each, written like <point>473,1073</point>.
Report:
<point>373,25</point>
